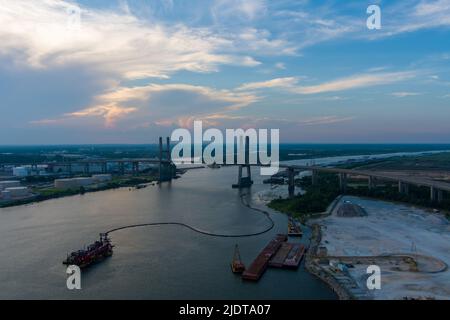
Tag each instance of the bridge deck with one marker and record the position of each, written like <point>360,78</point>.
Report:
<point>408,180</point>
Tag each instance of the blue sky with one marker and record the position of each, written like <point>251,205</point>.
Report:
<point>129,71</point>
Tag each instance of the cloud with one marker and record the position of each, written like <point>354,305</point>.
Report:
<point>324,120</point>
<point>288,82</point>
<point>38,35</point>
<point>356,81</point>
<point>283,122</point>
<point>311,25</point>
<point>238,9</point>
<point>111,113</point>
<point>160,104</point>
<point>404,94</point>
<point>411,16</point>
<point>280,66</point>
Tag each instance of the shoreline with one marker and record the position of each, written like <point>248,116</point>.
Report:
<point>310,264</point>
<point>312,267</point>
<point>71,192</point>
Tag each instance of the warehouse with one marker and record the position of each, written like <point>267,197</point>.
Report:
<point>73,183</point>
<point>9,184</point>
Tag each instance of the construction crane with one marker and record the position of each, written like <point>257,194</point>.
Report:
<point>236,265</point>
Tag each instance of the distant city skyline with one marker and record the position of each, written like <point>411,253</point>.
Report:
<point>130,71</point>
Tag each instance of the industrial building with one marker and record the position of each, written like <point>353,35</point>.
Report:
<point>25,171</point>
<point>18,192</point>
<point>21,171</point>
<point>102,177</point>
<point>73,183</point>
<point>9,184</point>
<point>14,193</point>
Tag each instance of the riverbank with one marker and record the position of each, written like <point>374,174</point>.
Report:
<point>315,269</point>
<point>312,258</point>
<point>45,194</point>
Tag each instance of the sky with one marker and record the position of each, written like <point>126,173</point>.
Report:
<point>117,71</point>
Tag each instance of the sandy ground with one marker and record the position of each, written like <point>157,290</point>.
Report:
<point>392,229</point>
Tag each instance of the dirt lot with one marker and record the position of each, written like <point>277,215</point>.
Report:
<point>392,229</point>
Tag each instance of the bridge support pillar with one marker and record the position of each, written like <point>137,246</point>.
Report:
<point>436,195</point>
<point>343,182</point>
<point>135,166</point>
<point>104,167</point>
<point>440,196</point>
<point>403,187</point>
<point>86,168</point>
<point>314,177</point>
<point>371,183</point>
<point>245,182</point>
<point>432,194</point>
<point>291,182</point>
<point>166,171</point>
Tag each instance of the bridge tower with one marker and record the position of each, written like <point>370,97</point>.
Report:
<point>245,182</point>
<point>314,177</point>
<point>371,183</point>
<point>436,195</point>
<point>343,182</point>
<point>166,167</point>
<point>291,182</point>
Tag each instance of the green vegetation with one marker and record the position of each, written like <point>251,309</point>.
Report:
<point>316,199</point>
<point>419,196</point>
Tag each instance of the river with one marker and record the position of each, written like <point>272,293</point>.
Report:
<point>167,262</point>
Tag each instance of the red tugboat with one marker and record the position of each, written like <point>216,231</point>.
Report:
<point>94,252</point>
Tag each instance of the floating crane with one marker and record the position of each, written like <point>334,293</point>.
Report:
<point>236,265</point>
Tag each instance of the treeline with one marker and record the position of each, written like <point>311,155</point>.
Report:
<point>316,199</point>
<point>419,196</point>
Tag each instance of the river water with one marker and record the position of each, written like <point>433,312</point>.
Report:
<point>167,262</point>
<point>164,262</point>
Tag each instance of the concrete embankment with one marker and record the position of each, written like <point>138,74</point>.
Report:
<point>314,268</point>
<point>311,264</point>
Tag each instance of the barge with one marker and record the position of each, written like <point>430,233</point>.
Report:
<point>277,260</point>
<point>294,256</point>
<point>294,229</point>
<point>260,264</point>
